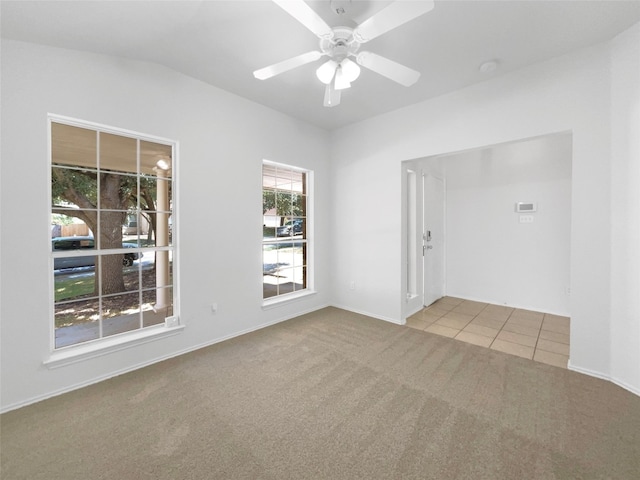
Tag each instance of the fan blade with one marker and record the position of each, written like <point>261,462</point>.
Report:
<point>278,68</point>
<point>302,12</point>
<point>390,17</point>
<point>388,68</point>
<point>331,96</point>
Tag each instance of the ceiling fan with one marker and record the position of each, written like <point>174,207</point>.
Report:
<point>340,44</point>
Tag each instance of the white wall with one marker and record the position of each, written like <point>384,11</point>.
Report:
<point>490,255</point>
<point>567,94</point>
<point>625,209</point>
<point>223,139</point>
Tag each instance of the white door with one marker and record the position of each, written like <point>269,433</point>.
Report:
<point>433,238</point>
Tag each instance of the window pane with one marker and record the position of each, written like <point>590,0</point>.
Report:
<point>150,293</point>
<point>285,256</point>
<point>118,153</point>
<point>153,313</point>
<point>156,210</point>
<point>68,225</point>
<point>132,261</point>
<point>162,267</point>
<point>161,195</point>
<point>269,177</point>
<point>162,235</point>
<point>76,321</point>
<point>110,229</point>
<point>134,228</point>
<point>112,274</point>
<point>283,179</point>
<point>268,202</point>
<point>285,281</point>
<point>73,245</point>
<point>299,205</point>
<point>299,278</point>
<point>70,285</point>
<point>148,274</point>
<point>269,226</point>
<point>155,156</point>
<point>145,226</point>
<point>117,191</point>
<point>148,239</point>
<point>299,254</point>
<point>269,289</point>
<point>132,275</point>
<point>120,313</point>
<point>148,192</point>
<point>150,317</point>
<point>155,194</point>
<point>68,185</point>
<point>270,260</point>
<point>73,146</point>
<point>284,203</point>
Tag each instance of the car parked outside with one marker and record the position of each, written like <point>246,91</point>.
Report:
<point>84,243</point>
<point>292,227</point>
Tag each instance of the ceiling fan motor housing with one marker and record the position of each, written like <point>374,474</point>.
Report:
<point>341,45</point>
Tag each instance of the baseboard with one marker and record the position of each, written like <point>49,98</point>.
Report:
<point>586,371</point>
<point>602,376</point>
<point>77,386</point>
<point>369,314</point>
<point>626,386</point>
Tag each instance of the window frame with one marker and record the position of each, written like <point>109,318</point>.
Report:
<point>67,354</point>
<point>308,240</point>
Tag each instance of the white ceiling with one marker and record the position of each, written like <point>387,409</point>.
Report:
<point>223,42</point>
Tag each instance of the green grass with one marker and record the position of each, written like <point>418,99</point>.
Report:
<point>73,287</point>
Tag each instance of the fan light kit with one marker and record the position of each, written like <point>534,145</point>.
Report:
<point>340,44</point>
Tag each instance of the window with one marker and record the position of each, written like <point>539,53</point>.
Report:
<point>285,246</point>
<point>111,240</point>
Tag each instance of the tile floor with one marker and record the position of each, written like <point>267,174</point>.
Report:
<point>534,335</point>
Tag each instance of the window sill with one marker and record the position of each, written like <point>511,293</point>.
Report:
<point>284,299</point>
<point>79,353</point>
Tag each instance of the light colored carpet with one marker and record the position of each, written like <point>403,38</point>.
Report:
<point>332,395</point>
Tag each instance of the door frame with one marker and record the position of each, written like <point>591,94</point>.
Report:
<point>412,257</point>
<point>412,289</point>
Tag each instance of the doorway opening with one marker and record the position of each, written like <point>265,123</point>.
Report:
<point>504,236</point>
